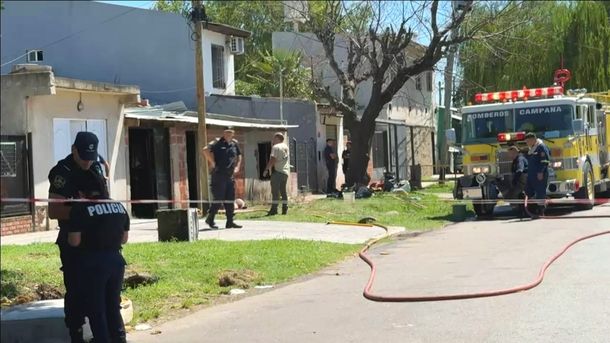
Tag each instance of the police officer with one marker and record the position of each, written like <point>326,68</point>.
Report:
<point>224,156</point>
<point>537,172</point>
<point>70,176</point>
<point>98,230</point>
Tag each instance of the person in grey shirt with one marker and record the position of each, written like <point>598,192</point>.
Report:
<point>279,168</point>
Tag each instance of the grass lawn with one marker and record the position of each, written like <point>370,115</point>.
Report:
<point>415,211</point>
<point>188,272</point>
<point>438,188</point>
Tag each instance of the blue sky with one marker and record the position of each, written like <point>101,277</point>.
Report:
<point>138,4</point>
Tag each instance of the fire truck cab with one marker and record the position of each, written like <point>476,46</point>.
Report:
<point>575,128</point>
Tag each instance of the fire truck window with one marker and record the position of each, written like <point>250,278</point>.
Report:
<point>550,121</point>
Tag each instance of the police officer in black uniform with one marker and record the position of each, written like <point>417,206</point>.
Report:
<point>224,156</point>
<point>70,176</point>
<point>97,230</point>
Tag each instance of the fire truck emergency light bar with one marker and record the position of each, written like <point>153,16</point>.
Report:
<point>522,94</point>
<point>512,136</point>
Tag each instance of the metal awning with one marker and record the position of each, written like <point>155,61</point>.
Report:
<point>224,122</point>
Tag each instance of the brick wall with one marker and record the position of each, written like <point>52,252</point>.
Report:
<point>15,225</point>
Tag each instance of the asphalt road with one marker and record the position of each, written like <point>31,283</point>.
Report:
<point>571,305</point>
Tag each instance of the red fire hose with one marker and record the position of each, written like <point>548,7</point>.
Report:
<point>368,293</point>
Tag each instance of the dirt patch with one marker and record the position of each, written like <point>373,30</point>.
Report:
<point>239,278</point>
<point>48,292</point>
<point>134,280</point>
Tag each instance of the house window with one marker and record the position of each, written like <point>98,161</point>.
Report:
<point>35,56</point>
<point>429,81</point>
<point>14,175</point>
<point>418,82</point>
<point>218,66</point>
<point>65,130</point>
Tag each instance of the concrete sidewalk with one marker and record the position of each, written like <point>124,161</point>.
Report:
<point>145,230</point>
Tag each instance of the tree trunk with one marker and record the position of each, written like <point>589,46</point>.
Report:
<point>362,137</point>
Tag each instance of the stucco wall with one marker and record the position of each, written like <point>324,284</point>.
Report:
<point>114,44</point>
<point>15,89</point>
<point>43,109</point>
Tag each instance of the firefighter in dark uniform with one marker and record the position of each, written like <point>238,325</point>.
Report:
<point>97,230</point>
<point>76,173</point>
<point>514,188</point>
<point>224,156</point>
<point>537,172</point>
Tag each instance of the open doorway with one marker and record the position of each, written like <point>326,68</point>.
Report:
<point>264,154</point>
<point>149,169</point>
<point>191,166</point>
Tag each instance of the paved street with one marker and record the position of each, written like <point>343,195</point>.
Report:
<point>571,305</point>
<point>145,230</point>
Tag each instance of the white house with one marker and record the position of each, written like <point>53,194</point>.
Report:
<point>45,112</point>
<point>405,128</point>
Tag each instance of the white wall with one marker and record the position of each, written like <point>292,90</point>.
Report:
<point>213,38</point>
<point>42,110</point>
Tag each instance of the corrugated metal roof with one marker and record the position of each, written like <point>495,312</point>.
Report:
<point>158,114</point>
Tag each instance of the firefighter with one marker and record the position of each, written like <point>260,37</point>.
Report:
<point>514,189</point>
<point>98,231</point>
<point>537,173</point>
<point>70,177</point>
<point>224,156</point>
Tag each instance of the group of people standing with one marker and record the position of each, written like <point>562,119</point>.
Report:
<point>331,159</point>
<point>224,157</point>
<point>530,173</point>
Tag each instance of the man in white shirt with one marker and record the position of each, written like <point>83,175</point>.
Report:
<point>279,168</point>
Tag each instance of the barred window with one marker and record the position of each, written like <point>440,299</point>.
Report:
<point>218,66</point>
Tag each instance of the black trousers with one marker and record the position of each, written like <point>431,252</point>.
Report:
<point>102,275</point>
<point>279,182</point>
<point>74,316</point>
<point>331,183</point>
<point>223,191</point>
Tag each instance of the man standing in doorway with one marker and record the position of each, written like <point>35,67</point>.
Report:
<point>68,179</point>
<point>279,168</point>
<point>330,156</point>
<point>224,157</point>
<point>537,172</point>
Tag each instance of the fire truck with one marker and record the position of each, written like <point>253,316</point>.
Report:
<point>575,126</point>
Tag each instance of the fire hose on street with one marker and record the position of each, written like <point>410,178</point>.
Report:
<point>370,295</point>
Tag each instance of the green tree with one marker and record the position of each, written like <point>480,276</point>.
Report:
<point>587,46</point>
<point>264,72</point>
<point>176,6</point>
<point>379,59</point>
<point>527,54</point>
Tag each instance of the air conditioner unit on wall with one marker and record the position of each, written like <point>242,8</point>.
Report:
<point>236,45</point>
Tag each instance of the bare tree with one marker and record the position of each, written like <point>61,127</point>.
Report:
<point>378,55</point>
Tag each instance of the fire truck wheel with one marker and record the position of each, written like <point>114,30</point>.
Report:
<point>587,191</point>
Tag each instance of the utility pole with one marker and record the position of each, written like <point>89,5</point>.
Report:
<point>281,95</point>
<point>440,133</point>
<point>197,18</point>
<point>444,153</point>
